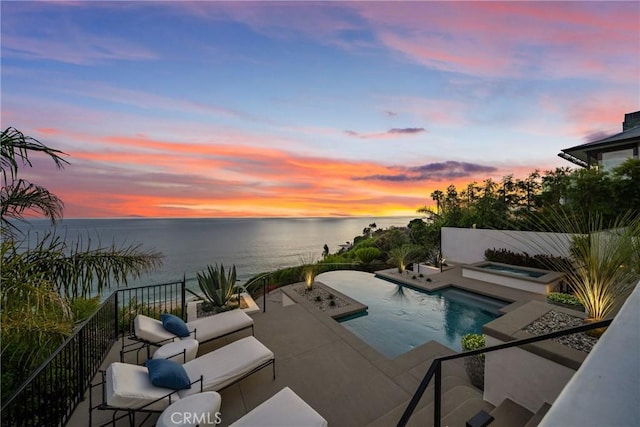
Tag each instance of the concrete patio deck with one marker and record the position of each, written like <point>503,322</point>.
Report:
<point>340,376</point>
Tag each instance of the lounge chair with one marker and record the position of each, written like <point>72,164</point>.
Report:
<point>284,409</point>
<point>127,387</point>
<point>151,332</point>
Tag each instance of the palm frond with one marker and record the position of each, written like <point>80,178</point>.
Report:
<point>21,197</point>
<point>78,270</point>
<point>16,146</point>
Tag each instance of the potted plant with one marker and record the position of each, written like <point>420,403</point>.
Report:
<point>474,365</point>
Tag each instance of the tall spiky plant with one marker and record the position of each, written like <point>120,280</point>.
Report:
<point>217,286</point>
<point>400,256</point>
<point>309,270</point>
<point>605,257</point>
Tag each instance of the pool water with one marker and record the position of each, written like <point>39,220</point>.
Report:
<point>400,318</point>
<point>512,270</point>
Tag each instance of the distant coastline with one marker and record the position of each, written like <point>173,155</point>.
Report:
<point>254,245</point>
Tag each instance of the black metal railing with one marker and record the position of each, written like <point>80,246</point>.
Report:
<point>51,394</point>
<point>435,370</point>
<point>151,301</point>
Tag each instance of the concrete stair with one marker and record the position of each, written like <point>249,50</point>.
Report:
<point>465,411</point>
<point>538,416</point>
<point>510,414</point>
<point>460,402</point>
<point>423,415</point>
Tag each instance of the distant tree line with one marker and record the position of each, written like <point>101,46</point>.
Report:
<point>513,203</point>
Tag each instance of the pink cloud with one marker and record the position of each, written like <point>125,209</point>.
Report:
<point>142,176</point>
<point>558,39</point>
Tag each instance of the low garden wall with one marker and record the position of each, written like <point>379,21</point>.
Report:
<point>467,245</point>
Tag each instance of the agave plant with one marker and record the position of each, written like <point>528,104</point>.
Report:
<point>217,286</point>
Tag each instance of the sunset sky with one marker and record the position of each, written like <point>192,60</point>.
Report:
<point>205,109</point>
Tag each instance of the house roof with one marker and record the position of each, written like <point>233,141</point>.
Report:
<point>578,154</point>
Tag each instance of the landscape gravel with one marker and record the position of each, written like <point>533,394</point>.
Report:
<point>556,321</point>
<point>325,297</point>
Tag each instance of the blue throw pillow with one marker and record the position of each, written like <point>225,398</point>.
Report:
<point>174,324</point>
<point>168,374</point>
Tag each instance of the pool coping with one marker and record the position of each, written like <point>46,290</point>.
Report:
<point>511,326</point>
<point>547,276</point>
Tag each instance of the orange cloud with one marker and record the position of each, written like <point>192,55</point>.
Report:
<point>155,178</point>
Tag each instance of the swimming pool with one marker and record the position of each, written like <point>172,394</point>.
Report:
<point>400,318</point>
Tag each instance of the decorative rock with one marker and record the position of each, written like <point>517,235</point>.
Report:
<point>325,302</point>
<point>556,321</point>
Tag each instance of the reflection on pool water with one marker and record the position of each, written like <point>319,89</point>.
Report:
<point>400,318</point>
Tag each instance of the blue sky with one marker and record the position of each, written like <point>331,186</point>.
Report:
<point>308,108</point>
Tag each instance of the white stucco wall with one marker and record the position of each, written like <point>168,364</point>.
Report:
<point>606,389</point>
<point>510,282</point>
<point>467,245</point>
<point>524,377</point>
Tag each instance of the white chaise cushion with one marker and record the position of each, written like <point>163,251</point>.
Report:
<point>202,329</point>
<point>284,409</point>
<point>151,330</point>
<point>199,409</point>
<point>180,351</point>
<point>226,365</point>
<point>128,386</point>
<point>207,328</point>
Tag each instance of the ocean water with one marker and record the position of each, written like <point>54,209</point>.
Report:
<point>190,244</point>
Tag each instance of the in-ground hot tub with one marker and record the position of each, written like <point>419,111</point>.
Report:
<point>513,276</point>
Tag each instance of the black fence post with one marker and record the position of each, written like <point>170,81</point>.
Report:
<point>183,296</point>
<point>264,294</point>
<point>115,316</point>
<point>437,391</point>
<point>81,362</point>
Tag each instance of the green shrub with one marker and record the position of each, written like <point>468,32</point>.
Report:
<point>82,307</point>
<point>523,259</point>
<point>473,342</point>
<point>367,255</point>
<point>563,298</point>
